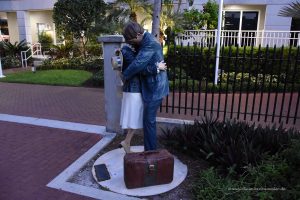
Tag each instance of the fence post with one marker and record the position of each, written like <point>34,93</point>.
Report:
<point>239,38</point>
<point>262,38</point>
<point>216,36</point>
<point>298,41</point>
<point>112,83</point>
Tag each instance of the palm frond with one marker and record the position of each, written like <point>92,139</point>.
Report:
<point>292,10</point>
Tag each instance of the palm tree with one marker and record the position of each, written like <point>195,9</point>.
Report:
<point>16,48</point>
<point>292,10</point>
<point>169,17</point>
<point>156,18</point>
<point>114,20</point>
<point>135,6</point>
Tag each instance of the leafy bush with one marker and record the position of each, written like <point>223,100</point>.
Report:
<point>10,61</point>
<point>210,185</point>
<point>279,171</point>
<point>90,64</point>
<point>97,79</point>
<point>94,49</point>
<point>277,177</point>
<point>194,19</point>
<point>46,41</point>
<point>2,52</point>
<point>190,85</point>
<point>230,145</point>
<point>61,50</point>
<point>16,48</point>
<point>199,62</point>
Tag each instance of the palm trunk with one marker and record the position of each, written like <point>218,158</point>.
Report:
<point>156,18</point>
<point>133,16</point>
<point>84,42</point>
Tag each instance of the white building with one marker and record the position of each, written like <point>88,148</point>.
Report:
<point>253,14</point>
<point>27,18</point>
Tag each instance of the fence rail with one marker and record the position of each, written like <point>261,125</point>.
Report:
<point>258,84</point>
<point>241,38</point>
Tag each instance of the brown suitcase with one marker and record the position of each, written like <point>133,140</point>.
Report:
<point>148,168</point>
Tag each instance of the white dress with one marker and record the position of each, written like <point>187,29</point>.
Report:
<point>132,111</point>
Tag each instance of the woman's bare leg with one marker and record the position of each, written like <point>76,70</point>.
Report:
<point>126,143</point>
<point>129,135</point>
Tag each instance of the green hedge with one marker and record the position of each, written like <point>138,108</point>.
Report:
<point>197,62</point>
<point>10,61</point>
<point>191,85</point>
<point>90,64</point>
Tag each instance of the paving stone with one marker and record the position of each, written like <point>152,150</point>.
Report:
<point>31,156</point>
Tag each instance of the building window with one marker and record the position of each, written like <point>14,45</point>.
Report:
<point>295,26</point>
<point>42,27</point>
<point>234,21</point>
<point>4,34</point>
<point>243,25</point>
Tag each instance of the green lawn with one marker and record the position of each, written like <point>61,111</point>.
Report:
<point>50,77</point>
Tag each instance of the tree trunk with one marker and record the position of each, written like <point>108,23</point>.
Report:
<point>156,18</point>
<point>83,42</point>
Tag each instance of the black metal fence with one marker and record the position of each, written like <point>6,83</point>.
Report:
<point>259,84</point>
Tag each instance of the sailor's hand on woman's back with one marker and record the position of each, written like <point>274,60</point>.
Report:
<point>161,65</point>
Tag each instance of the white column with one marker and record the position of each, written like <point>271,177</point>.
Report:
<point>112,87</point>
<point>23,19</point>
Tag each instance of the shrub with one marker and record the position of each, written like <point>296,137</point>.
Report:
<point>230,145</point>
<point>10,61</point>
<point>189,85</point>
<point>199,62</point>
<point>94,49</point>
<point>97,79</point>
<point>277,177</point>
<point>210,185</point>
<point>16,48</point>
<point>279,171</point>
<point>45,40</point>
<point>61,50</point>
<point>90,64</point>
<point>2,52</point>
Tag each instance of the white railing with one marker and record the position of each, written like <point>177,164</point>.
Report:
<point>35,49</point>
<point>241,38</point>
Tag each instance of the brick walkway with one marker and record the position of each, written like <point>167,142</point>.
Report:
<point>234,103</point>
<point>74,104</point>
<point>32,156</point>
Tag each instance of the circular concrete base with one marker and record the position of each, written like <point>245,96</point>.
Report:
<point>114,163</point>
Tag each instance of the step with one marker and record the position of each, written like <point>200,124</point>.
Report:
<point>37,62</point>
<point>40,57</point>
